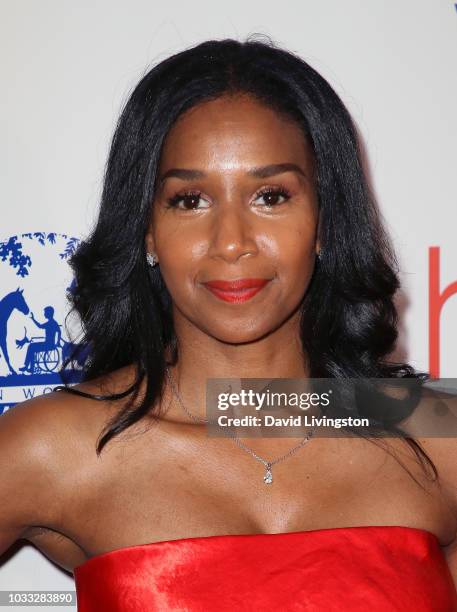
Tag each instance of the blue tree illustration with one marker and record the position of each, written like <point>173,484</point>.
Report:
<point>70,248</point>
<point>12,249</point>
<point>20,261</point>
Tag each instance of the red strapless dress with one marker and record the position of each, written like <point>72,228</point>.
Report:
<point>350,569</point>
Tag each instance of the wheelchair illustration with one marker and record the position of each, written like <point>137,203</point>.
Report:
<point>46,360</point>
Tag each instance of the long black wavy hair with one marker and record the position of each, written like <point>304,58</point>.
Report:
<point>348,318</point>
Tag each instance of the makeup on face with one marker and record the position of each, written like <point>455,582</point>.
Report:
<point>236,291</point>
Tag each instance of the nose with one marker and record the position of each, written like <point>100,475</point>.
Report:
<point>232,234</point>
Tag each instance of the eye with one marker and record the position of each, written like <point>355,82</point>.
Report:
<point>272,193</point>
<point>189,199</point>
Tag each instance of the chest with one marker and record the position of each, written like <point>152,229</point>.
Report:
<point>198,487</point>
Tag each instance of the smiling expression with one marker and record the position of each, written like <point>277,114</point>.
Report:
<point>235,200</point>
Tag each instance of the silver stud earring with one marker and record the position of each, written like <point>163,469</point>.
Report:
<point>152,259</point>
<point>319,255</point>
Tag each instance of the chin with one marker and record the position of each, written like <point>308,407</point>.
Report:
<point>231,335</point>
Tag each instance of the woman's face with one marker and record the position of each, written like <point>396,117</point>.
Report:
<point>222,211</point>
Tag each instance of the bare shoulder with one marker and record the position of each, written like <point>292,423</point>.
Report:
<point>51,421</point>
<point>47,443</point>
<point>31,447</point>
<point>434,425</point>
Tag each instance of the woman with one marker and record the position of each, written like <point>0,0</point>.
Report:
<point>231,161</point>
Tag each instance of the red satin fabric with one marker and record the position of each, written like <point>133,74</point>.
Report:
<point>354,569</point>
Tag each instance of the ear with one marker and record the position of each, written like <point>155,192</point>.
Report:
<point>149,242</point>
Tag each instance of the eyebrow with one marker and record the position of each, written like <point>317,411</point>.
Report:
<point>258,172</point>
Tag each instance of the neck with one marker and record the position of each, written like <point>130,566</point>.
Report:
<point>201,357</point>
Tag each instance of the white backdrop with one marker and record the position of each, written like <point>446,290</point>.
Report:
<point>67,68</point>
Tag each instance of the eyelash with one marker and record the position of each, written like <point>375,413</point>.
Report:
<point>279,190</point>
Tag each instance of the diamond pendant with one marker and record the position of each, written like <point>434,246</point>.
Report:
<point>268,478</point>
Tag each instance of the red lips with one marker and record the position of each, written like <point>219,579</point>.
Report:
<point>238,290</point>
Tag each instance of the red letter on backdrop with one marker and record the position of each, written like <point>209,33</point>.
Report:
<point>436,301</point>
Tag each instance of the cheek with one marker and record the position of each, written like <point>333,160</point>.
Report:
<point>294,252</point>
<point>181,263</point>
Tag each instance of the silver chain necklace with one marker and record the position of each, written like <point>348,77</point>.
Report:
<point>268,477</point>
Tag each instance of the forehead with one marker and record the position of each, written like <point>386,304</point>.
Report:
<point>233,129</point>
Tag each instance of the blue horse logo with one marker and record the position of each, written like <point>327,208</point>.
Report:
<point>12,301</point>
<point>33,348</point>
